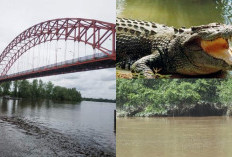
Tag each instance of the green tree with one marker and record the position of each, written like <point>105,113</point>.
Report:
<point>155,95</point>
<point>62,93</point>
<point>1,92</point>
<point>58,93</point>
<point>15,92</point>
<point>38,89</point>
<point>207,88</point>
<point>34,89</point>
<point>6,87</point>
<point>183,93</point>
<point>41,89</point>
<point>24,89</point>
<point>224,91</point>
<point>49,89</point>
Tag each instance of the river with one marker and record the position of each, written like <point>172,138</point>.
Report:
<point>174,137</point>
<point>47,128</point>
<point>177,13</point>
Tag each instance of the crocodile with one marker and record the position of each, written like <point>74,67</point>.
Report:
<point>144,47</point>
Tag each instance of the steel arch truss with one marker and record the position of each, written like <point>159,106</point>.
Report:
<point>91,32</point>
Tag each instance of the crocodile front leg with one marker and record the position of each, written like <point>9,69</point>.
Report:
<point>145,65</point>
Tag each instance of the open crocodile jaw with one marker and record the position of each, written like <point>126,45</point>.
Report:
<point>219,48</point>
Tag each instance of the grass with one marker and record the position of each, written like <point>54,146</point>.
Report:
<point>126,74</point>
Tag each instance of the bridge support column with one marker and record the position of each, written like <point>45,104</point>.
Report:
<point>115,121</point>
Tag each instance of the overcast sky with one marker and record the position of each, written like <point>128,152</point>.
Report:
<point>18,15</point>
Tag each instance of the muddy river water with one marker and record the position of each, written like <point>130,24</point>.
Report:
<point>174,137</point>
<point>46,128</point>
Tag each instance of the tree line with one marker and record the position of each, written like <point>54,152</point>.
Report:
<point>38,89</point>
<point>99,100</point>
<point>155,95</point>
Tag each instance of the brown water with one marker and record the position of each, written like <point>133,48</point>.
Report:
<point>174,137</point>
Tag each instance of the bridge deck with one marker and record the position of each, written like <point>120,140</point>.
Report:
<point>91,62</point>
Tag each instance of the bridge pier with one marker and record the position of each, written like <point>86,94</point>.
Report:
<point>115,121</point>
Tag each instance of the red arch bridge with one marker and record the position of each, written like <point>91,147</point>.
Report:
<point>59,46</point>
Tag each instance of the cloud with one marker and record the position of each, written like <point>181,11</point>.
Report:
<point>89,83</point>
<point>108,76</point>
<point>113,86</point>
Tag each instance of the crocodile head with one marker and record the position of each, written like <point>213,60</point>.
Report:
<point>207,47</point>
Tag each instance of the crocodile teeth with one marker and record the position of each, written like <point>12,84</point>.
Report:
<point>230,42</point>
<point>228,57</point>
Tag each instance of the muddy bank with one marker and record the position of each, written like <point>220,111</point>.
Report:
<point>44,141</point>
<point>198,109</point>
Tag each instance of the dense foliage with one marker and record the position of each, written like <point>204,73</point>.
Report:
<point>99,100</point>
<point>156,95</point>
<point>39,89</point>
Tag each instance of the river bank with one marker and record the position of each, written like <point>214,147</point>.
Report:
<point>198,109</point>
<point>8,97</point>
<point>99,100</point>
<point>48,128</point>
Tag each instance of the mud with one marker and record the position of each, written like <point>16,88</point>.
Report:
<point>60,144</point>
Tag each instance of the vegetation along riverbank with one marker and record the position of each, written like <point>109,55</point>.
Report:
<point>174,97</point>
<point>99,100</point>
<point>37,89</point>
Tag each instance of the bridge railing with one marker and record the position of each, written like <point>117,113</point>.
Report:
<point>68,62</point>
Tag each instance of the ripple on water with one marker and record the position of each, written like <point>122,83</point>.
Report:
<point>60,144</point>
